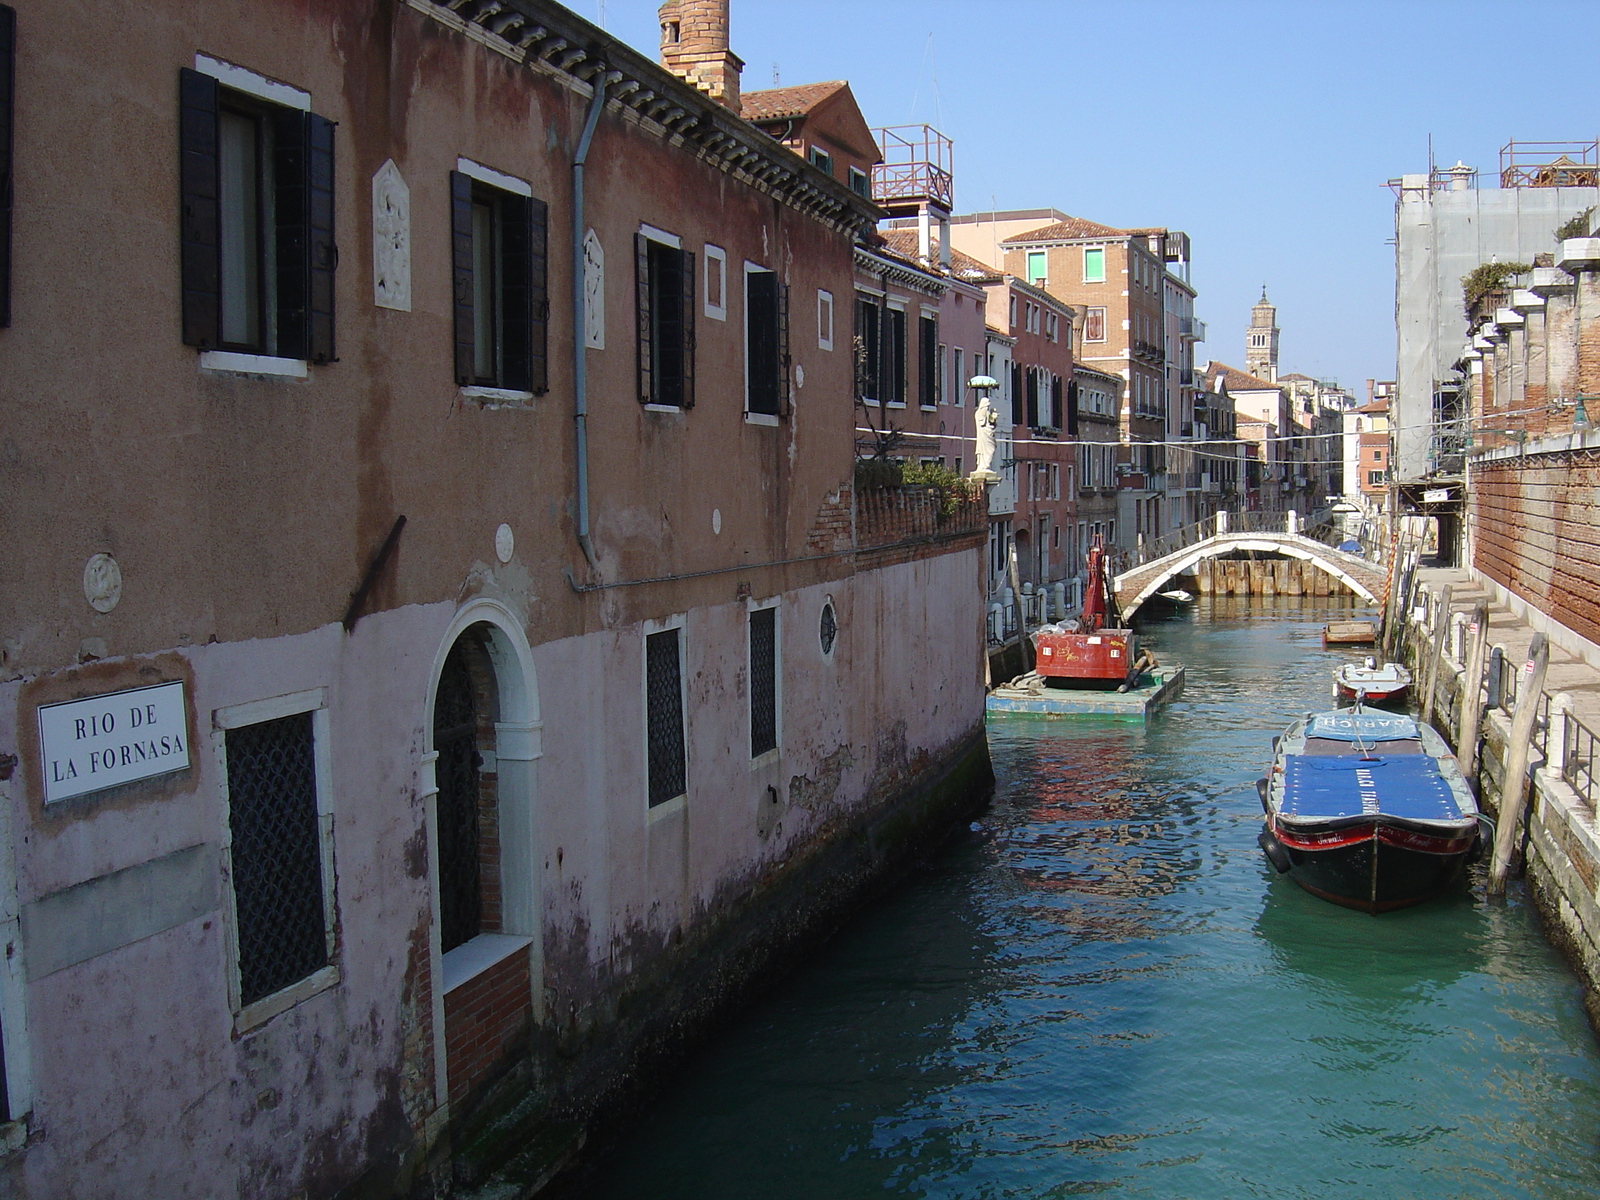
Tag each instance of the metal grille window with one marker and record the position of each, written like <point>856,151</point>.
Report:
<point>276,854</point>
<point>828,630</point>
<point>455,730</point>
<point>763,681</point>
<point>664,716</point>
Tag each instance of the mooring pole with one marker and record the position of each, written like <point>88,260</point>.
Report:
<point>1025,646</point>
<point>1514,786</point>
<point>1472,692</point>
<point>1441,632</point>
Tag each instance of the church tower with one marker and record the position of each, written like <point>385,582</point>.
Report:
<point>1261,340</point>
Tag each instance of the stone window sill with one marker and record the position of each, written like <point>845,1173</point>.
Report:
<point>471,959</point>
<point>264,1009</point>
<point>231,363</point>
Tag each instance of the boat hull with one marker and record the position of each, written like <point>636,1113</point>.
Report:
<point>1091,660</point>
<point>1373,866</point>
<point>1372,695</point>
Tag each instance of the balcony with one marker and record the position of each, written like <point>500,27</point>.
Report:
<point>1191,329</point>
<point>1149,352</point>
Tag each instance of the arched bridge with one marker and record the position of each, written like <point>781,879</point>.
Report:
<point>1229,533</point>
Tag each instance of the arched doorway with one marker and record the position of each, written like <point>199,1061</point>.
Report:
<point>479,783</point>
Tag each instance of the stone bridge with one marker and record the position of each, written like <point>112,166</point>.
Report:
<point>1228,534</point>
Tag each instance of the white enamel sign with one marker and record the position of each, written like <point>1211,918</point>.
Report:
<point>97,743</point>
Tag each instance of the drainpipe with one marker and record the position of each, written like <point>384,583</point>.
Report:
<point>580,354</point>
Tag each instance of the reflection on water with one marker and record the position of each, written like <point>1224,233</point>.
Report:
<point>1105,990</point>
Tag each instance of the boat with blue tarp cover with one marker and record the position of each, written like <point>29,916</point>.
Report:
<point>1367,809</point>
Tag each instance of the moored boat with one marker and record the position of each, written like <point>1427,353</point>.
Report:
<point>1090,651</point>
<point>1368,810</point>
<point>1349,633</point>
<point>1370,682</point>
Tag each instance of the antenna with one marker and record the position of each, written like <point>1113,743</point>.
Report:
<point>774,74</point>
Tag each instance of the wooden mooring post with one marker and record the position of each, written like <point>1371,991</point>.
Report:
<point>1514,786</point>
<point>1472,690</point>
<point>1441,634</point>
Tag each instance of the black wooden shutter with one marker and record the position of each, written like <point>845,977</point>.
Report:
<point>1032,380</point>
<point>200,218</point>
<point>322,249</point>
<point>292,216</point>
<point>1016,392</point>
<point>928,363</point>
<point>516,293</point>
<point>783,350</point>
<point>1055,403</point>
<point>641,259</point>
<point>539,297</point>
<point>461,273</point>
<point>8,72</point>
<point>761,332</point>
<point>687,328</point>
<point>1072,408</point>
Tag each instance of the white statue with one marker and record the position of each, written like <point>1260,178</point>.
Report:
<point>987,419</point>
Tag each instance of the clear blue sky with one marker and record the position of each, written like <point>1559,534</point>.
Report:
<point>1264,128</point>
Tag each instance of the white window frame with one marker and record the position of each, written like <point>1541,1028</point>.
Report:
<point>1043,258</point>
<point>1087,312</point>
<point>675,804</point>
<point>824,319</point>
<point>754,418</point>
<point>957,357</point>
<point>1012,313</point>
<point>893,304</point>
<point>254,712</point>
<point>719,256</point>
<point>242,79</point>
<point>768,757</point>
<point>851,174</point>
<point>1087,251</point>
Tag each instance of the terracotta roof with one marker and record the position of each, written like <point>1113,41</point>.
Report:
<point>775,104</point>
<point>1065,231</point>
<point>1238,381</point>
<point>1377,406</point>
<point>962,266</point>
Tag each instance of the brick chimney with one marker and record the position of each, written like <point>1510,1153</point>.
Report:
<point>694,47</point>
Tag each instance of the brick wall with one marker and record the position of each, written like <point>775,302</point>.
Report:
<point>833,531</point>
<point>888,515</point>
<point>1536,523</point>
<point>485,1021</point>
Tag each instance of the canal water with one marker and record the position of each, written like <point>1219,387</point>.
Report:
<point>1104,990</point>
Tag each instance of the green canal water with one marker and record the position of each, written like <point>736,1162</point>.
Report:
<point>1105,990</point>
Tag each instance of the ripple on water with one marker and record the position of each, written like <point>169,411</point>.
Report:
<point>1106,992</point>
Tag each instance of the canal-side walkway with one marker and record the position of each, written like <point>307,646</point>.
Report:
<point>1560,840</point>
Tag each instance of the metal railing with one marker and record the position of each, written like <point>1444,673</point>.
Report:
<point>1317,525</point>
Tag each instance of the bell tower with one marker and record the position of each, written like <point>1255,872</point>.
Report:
<point>1261,340</point>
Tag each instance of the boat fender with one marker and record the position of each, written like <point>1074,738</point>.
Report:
<point>1276,854</point>
<point>1485,840</point>
<point>1261,791</point>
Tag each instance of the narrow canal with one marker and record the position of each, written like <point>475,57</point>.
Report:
<point>1104,990</point>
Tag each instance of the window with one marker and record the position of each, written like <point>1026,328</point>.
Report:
<point>824,320</point>
<point>893,388</point>
<point>1374,478</point>
<point>1031,384</point>
<point>958,377</point>
<point>766,341</point>
<point>928,362</point>
<point>860,182</point>
<point>1094,325</point>
<point>666,762</point>
<point>499,234</point>
<point>1037,272</point>
<point>821,160</point>
<point>1057,390</point>
<point>1052,327</point>
<point>1012,315</point>
<point>827,628</point>
<point>763,681</point>
<point>664,274</point>
<point>1094,265</point>
<point>869,348</point>
<point>1377,456</point>
<point>257,245</point>
<point>279,832</point>
<point>8,58</point>
<point>716,282</point>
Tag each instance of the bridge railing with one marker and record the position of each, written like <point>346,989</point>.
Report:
<point>1318,525</point>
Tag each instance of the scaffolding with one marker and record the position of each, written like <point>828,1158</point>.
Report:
<point>917,171</point>
<point>1550,164</point>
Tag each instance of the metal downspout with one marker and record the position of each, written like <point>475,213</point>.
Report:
<point>580,359</point>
